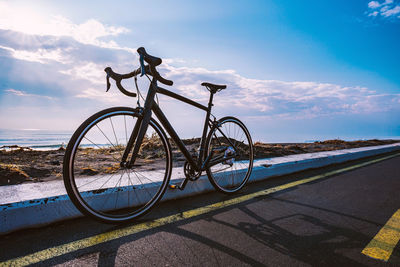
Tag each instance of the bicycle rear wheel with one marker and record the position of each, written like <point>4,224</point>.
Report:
<point>230,144</point>
<point>93,176</point>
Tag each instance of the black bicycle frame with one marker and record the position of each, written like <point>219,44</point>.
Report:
<point>141,126</point>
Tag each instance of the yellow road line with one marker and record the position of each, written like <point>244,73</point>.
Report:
<point>381,247</point>
<point>119,233</point>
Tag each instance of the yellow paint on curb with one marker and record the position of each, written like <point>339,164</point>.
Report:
<point>381,247</point>
<point>119,233</point>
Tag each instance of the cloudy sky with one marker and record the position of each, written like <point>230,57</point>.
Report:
<point>295,70</point>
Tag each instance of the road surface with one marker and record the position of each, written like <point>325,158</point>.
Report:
<point>346,214</point>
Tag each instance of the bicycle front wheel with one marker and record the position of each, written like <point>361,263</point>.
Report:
<point>93,176</point>
<point>230,148</point>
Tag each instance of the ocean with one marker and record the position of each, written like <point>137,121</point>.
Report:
<point>45,139</point>
<point>37,139</point>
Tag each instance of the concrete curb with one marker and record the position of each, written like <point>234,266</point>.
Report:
<point>40,212</point>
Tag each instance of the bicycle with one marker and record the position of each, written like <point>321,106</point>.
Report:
<point>118,163</point>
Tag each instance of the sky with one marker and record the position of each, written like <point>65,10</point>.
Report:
<point>295,70</point>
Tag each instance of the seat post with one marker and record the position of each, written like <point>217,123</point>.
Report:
<point>205,130</point>
<point>210,102</point>
<point>213,88</point>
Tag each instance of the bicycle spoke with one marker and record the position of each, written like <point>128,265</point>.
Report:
<point>151,181</point>
<point>107,138</point>
<point>112,204</point>
<point>105,183</point>
<point>142,184</point>
<point>116,139</point>
<point>129,179</point>
<point>231,178</point>
<point>116,199</point>
<point>133,188</point>
<point>100,147</point>
<point>93,181</point>
<point>126,132</point>
<point>220,170</point>
<point>110,193</point>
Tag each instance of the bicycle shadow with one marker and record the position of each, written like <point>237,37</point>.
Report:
<point>315,247</point>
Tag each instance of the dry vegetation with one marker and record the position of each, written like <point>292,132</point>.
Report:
<point>18,165</point>
<point>263,150</point>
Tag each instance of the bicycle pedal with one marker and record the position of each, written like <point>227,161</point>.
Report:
<point>173,186</point>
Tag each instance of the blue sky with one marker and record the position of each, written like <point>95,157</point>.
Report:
<point>295,70</point>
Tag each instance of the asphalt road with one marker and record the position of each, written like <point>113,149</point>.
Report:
<point>329,221</point>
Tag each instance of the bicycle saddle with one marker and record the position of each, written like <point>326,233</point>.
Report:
<point>213,87</point>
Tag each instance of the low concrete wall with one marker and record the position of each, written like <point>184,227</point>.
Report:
<point>39,212</point>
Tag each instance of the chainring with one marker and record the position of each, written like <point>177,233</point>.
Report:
<point>190,173</point>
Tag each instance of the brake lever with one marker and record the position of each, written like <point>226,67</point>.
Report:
<point>108,82</point>
<point>142,68</point>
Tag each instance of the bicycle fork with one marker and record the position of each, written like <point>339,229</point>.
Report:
<point>139,131</point>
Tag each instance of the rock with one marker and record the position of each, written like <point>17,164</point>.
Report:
<point>89,171</point>
<point>10,174</point>
<point>37,172</point>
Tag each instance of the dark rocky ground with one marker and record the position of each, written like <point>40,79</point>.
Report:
<point>21,164</point>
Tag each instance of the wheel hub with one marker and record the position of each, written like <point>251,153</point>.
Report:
<point>229,152</point>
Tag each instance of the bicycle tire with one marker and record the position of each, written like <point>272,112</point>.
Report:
<point>231,175</point>
<point>81,179</point>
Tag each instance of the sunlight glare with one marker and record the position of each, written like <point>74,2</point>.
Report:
<point>22,18</point>
<point>35,21</point>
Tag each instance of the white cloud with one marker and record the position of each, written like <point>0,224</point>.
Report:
<point>373,4</point>
<point>39,55</point>
<point>279,97</point>
<point>387,9</point>
<point>25,94</point>
<point>391,12</point>
<point>100,95</point>
<point>373,14</point>
<point>174,60</point>
<point>74,68</point>
<point>82,77</point>
<point>26,20</point>
<point>376,4</point>
<point>87,71</point>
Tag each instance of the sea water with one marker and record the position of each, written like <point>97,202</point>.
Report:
<point>36,139</point>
